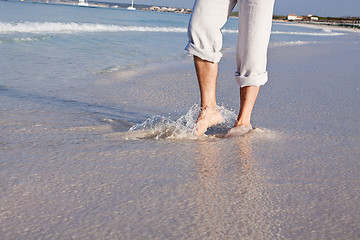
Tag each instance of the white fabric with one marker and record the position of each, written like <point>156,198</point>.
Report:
<point>255,19</point>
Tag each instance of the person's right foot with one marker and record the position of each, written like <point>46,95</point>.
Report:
<point>209,116</point>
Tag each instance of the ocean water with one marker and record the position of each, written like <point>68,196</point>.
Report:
<point>96,111</point>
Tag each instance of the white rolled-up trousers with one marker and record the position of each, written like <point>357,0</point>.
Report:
<point>255,20</point>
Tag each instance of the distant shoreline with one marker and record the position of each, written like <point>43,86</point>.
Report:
<point>352,23</point>
<point>331,26</point>
<point>338,25</point>
<point>343,22</point>
<point>97,4</point>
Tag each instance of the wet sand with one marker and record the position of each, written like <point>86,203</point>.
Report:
<point>73,170</point>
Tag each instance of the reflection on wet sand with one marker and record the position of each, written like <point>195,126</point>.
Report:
<point>230,200</point>
<point>210,197</point>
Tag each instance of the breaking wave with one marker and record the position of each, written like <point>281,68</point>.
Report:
<point>72,27</point>
<point>291,43</point>
<point>294,33</point>
<point>309,33</point>
<point>24,39</point>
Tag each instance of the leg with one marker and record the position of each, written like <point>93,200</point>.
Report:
<point>255,19</point>
<point>206,73</point>
<point>205,42</point>
<point>204,30</point>
<point>248,97</point>
<point>209,115</point>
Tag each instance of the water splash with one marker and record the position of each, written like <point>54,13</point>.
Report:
<point>160,127</point>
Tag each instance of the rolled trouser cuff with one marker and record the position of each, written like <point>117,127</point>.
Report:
<point>253,80</point>
<point>203,54</point>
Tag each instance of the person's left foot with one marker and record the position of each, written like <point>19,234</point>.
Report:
<point>239,130</point>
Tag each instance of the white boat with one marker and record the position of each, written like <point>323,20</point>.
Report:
<point>83,3</point>
<point>132,6</point>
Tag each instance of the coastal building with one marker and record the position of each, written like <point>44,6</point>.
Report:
<point>154,8</point>
<point>168,9</point>
<point>83,3</point>
<point>293,17</point>
<point>312,17</point>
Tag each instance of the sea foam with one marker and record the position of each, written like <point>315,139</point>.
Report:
<point>293,33</point>
<point>309,33</point>
<point>290,43</point>
<point>73,27</point>
<point>24,39</point>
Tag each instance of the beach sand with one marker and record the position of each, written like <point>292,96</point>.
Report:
<point>72,170</point>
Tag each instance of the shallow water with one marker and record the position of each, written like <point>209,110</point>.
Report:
<point>70,167</point>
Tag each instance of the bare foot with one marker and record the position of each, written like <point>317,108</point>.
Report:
<point>239,130</point>
<point>209,116</point>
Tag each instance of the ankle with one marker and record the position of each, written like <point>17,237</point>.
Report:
<point>209,106</point>
<point>209,109</point>
<point>242,122</point>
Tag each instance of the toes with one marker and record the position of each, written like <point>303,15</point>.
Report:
<point>239,130</point>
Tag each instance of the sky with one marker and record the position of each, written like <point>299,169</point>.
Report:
<point>324,8</point>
